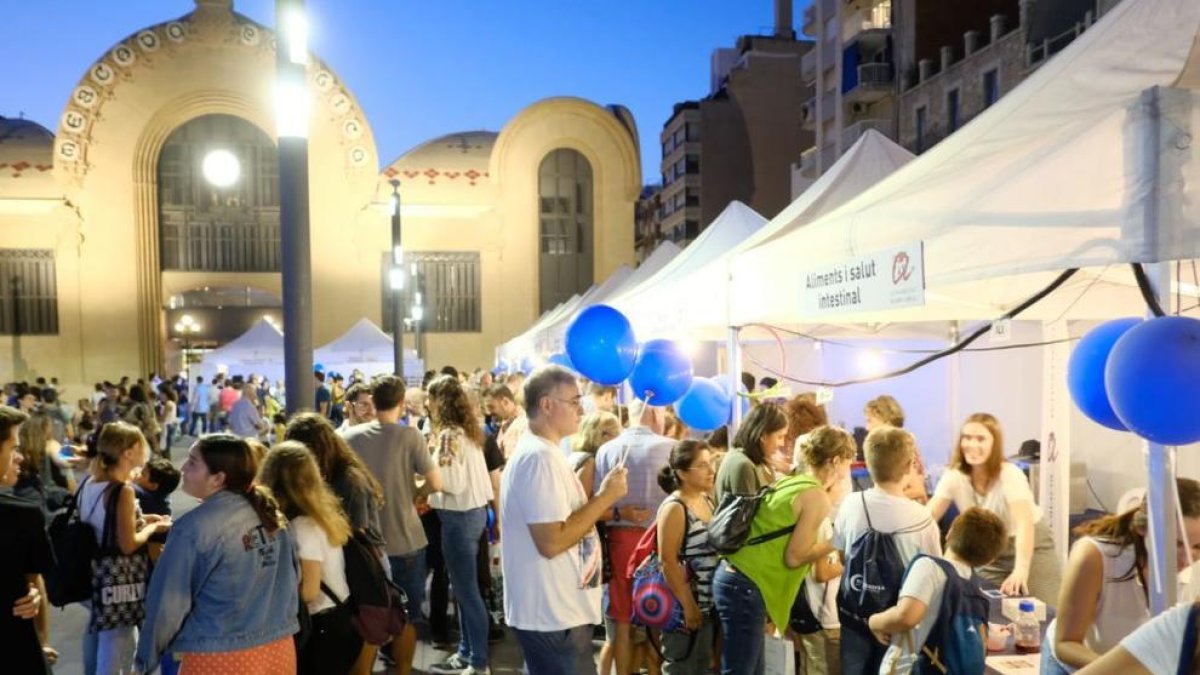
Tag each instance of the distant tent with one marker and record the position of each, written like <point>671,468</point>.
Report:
<point>367,348</point>
<point>258,351</point>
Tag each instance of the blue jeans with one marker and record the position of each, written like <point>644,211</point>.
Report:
<point>861,652</point>
<point>1050,664</point>
<point>460,547</point>
<point>109,652</point>
<point>408,572</point>
<point>743,614</point>
<point>558,652</point>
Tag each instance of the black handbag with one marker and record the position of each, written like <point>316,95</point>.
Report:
<point>118,579</point>
<point>74,544</point>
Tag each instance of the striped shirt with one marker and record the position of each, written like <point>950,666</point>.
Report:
<point>698,555</point>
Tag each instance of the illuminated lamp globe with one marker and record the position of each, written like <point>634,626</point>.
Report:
<point>221,168</point>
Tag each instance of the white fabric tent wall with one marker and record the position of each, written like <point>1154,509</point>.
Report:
<point>552,337</point>
<point>257,351</point>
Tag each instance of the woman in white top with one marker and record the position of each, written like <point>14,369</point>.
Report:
<point>979,476</point>
<point>320,528</point>
<point>461,507</point>
<point>1167,644</point>
<point>1103,597</point>
<point>120,451</point>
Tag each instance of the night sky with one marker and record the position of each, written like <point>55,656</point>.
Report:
<point>423,68</point>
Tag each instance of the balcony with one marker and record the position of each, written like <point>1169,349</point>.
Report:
<point>852,133</point>
<point>809,161</point>
<point>870,27</point>
<point>808,115</point>
<point>873,81</point>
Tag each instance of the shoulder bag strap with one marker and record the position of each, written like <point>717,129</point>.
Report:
<point>1187,654</point>
<point>329,594</point>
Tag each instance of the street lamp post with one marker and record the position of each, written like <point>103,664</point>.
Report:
<point>396,283</point>
<point>418,310</point>
<point>186,327</point>
<point>292,102</point>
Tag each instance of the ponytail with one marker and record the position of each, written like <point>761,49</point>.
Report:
<point>228,454</point>
<point>667,480</point>
<point>1129,528</point>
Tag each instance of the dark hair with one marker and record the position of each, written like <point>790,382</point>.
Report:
<point>319,375</point>
<point>748,381</point>
<point>767,382</point>
<point>597,389</point>
<point>542,383</point>
<point>9,418</point>
<point>764,419</point>
<point>335,458</point>
<point>977,536</point>
<point>137,394</point>
<point>232,456</point>
<point>1128,528</point>
<point>357,389</point>
<point>163,474</point>
<point>500,391</point>
<point>49,396</point>
<point>450,370</point>
<point>719,438</point>
<point>683,455</point>
<point>387,393</point>
<point>451,407</point>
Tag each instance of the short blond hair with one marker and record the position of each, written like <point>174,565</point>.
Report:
<point>825,444</point>
<point>887,409</point>
<point>889,452</point>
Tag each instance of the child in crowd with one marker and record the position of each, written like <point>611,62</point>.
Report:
<point>886,509</point>
<point>154,486</point>
<point>976,538</point>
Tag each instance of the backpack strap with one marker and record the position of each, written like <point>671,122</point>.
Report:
<point>1187,653</point>
<point>329,594</point>
<point>112,495</point>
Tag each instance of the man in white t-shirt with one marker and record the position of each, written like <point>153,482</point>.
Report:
<point>975,539</point>
<point>550,552</point>
<point>884,508</point>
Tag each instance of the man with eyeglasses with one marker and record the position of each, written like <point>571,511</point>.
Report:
<point>550,551</point>
<point>359,407</point>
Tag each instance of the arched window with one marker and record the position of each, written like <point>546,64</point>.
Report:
<point>218,197</point>
<point>565,213</point>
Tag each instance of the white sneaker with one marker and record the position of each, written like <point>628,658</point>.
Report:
<point>455,665</point>
<point>472,670</point>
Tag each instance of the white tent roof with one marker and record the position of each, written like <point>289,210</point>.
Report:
<point>364,346</point>
<point>1073,168</point>
<point>695,303</point>
<point>258,350</point>
<point>645,302</point>
<point>551,337</point>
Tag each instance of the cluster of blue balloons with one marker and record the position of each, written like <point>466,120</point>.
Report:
<point>1141,376</point>
<point>602,347</point>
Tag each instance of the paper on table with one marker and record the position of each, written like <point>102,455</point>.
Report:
<point>1014,664</point>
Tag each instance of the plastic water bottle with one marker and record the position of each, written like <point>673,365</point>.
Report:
<point>1027,630</point>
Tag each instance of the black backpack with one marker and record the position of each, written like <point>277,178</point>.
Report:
<point>74,543</point>
<point>803,619</point>
<point>375,604</point>
<point>729,529</point>
<point>955,643</point>
<point>872,575</point>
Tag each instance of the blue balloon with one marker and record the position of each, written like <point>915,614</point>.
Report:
<point>705,406</point>
<point>528,365</point>
<point>1151,379</point>
<point>601,345</point>
<point>662,373</point>
<point>1085,371</point>
<point>318,367</point>
<point>561,359</point>
<point>733,387</point>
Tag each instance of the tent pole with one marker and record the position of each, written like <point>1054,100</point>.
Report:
<point>1160,489</point>
<point>733,351</point>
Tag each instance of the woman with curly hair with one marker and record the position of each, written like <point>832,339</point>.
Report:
<point>461,507</point>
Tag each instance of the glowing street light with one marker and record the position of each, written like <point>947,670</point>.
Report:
<point>221,168</point>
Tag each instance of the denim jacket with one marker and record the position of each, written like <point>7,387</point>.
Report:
<point>223,584</point>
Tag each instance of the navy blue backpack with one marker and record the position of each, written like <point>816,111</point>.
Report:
<point>956,644</point>
<point>872,574</point>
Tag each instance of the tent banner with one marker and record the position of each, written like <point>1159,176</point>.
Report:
<point>884,280</point>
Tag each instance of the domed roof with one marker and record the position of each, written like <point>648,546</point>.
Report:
<point>21,129</point>
<point>26,162</point>
<point>458,158</point>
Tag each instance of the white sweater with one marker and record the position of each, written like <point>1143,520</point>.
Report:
<point>465,481</point>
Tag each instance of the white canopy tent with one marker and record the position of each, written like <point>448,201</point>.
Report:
<point>1087,164</point>
<point>257,351</point>
<point>365,347</point>
<point>693,302</point>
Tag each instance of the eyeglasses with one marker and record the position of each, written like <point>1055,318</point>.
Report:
<point>570,401</point>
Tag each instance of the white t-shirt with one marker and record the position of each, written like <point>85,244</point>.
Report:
<point>925,582</point>
<point>916,531</point>
<point>1013,487</point>
<point>822,596</point>
<point>543,594</point>
<point>1156,645</point>
<point>312,545</point>
<point>1122,605</point>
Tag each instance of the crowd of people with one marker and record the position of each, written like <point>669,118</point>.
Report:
<point>567,488</point>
